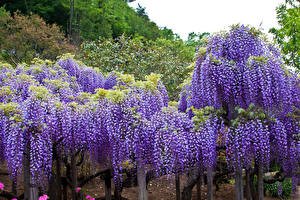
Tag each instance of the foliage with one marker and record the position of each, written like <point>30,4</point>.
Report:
<point>168,34</point>
<point>46,9</point>
<point>90,18</point>
<point>196,40</point>
<point>141,57</point>
<point>25,37</point>
<point>141,11</point>
<point>279,189</point>
<point>288,35</point>
<point>112,18</point>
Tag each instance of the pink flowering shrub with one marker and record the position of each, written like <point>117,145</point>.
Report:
<point>78,189</point>
<point>44,197</point>
<point>1,186</point>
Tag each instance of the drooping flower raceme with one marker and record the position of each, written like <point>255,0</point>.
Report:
<point>238,68</point>
<point>172,141</point>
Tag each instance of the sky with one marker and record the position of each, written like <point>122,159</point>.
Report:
<point>185,16</point>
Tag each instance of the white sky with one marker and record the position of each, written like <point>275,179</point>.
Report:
<point>185,16</point>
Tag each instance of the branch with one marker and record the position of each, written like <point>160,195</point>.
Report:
<point>9,195</point>
<point>54,147</point>
<point>4,173</point>
<point>278,177</point>
<point>65,160</point>
<point>12,60</point>
<point>194,175</point>
<point>220,148</point>
<point>77,153</point>
<point>274,180</point>
<point>81,159</point>
<point>151,175</point>
<point>66,181</point>
<point>131,180</point>
<point>88,179</point>
<point>58,141</point>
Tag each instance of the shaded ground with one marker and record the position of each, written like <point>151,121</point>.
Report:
<point>164,189</point>
<point>159,189</point>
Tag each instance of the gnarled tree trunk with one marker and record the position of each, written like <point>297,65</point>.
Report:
<point>141,177</point>
<point>239,184</point>
<point>260,182</point>
<point>191,182</point>
<point>74,176</point>
<point>249,184</point>
<point>199,184</point>
<point>177,183</point>
<point>107,179</point>
<point>210,185</point>
<point>14,186</point>
<point>30,189</point>
<point>55,188</point>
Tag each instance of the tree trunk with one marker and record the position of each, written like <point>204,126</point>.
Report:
<point>210,185</point>
<point>177,183</point>
<point>239,184</point>
<point>141,177</point>
<point>30,189</point>
<point>249,183</point>
<point>58,177</point>
<point>117,193</point>
<point>71,17</point>
<point>252,187</point>
<point>65,192</point>
<point>108,186</point>
<point>190,183</point>
<point>53,186</point>
<point>55,190</point>
<point>260,182</point>
<point>14,186</point>
<point>74,176</point>
<point>199,184</point>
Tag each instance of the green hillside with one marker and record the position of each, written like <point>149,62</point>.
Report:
<point>90,18</point>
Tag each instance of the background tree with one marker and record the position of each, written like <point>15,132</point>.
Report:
<point>89,19</point>
<point>168,34</point>
<point>47,9</point>
<point>141,11</point>
<point>195,39</point>
<point>288,35</point>
<point>25,37</point>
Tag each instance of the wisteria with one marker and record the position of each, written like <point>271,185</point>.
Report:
<point>241,74</point>
<point>173,141</point>
<point>57,109</point>
<point>241,99</point>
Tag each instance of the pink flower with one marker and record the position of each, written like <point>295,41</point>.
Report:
<point>92,199</point>
<point>44,197</point>
<point>14,199</point>
<point>88,197</point>
<point>78,189</point>
<point>1,186</point>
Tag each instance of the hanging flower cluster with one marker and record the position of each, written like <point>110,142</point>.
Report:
<point>241,74</point>
<point>73,108</point>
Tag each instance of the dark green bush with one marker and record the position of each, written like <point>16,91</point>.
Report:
<point>274,189</point>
